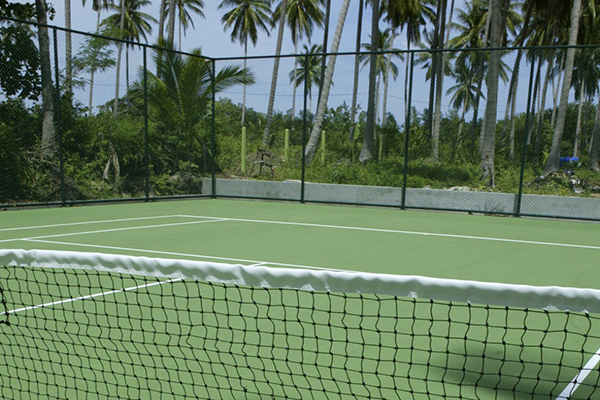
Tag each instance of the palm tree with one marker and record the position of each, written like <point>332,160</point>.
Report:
<point>384,66</point>
<point>302,16</point>
<point>473,27</point>
<point>246,18</point>
<point>586,75</point>
<point>267,130</point>
<point>309,71</point>
<point>464,93</point>
<point>183,8</point>
<point>180,94</point>
<point>366,151</point>
<point>356,71</point>
<point>134,25</point>
<point>498,15</point>
<point>97,5</point>
<point>94,56</point>
<point>409,15</point>
<point>48,142</point>
<point>315,134</point>
<point>553,162</point>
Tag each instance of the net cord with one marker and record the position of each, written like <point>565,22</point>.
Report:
<point>493,294</point>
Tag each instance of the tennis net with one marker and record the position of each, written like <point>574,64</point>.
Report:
<point>85,325</point>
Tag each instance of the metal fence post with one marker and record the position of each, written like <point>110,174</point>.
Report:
<point>58,121</point>
<point>213,134</point>
<point>304,128</point>
<point>407,130</point>
<point>524,147</point>
<point>146,144</point>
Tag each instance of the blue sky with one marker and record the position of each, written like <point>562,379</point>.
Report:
<point>210,36</point>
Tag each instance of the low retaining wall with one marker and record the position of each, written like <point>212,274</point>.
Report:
<point>442,199</point>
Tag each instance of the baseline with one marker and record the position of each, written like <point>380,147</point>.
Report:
<point>447,235</point>
<point>113,230</point>
<point>87,223</point>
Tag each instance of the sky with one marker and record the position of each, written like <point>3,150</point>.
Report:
<point>210,36</point>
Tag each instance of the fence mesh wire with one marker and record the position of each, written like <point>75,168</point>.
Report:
<point>139,122</point>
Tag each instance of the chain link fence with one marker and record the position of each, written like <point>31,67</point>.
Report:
<point>111,120</point>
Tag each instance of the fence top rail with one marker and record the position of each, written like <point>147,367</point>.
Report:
<point>295,55</point>
<point>109,38</point>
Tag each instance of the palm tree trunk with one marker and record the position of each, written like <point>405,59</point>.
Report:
<point>119,54</point>
<point>325,42</point>
<point>595,149</point>
<point>315,134</point>
<point>366,152</point>
<point>554,157</point>
<point>93,71</point>
<point>387,77</point>
<point>356,71</point>
<point>491,109</point>
<point>295,79</point>
<point>555,89</point>
<point>480,60</point>
<point>267,131</point>
<point>161,21</point>
<point>579,114</point>
<point>171,24</point>
<point>68,48</point>
<point>441,67</point>
<point>541,113</point>
<point>244,88</point>
<point>48,133</point>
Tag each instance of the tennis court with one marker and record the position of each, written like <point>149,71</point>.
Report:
<point>97,334</point>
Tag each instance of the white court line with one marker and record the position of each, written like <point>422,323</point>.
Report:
<point>448,235</point>
<point>87,223</point>
<point>113,230</point>
<point>580,377</point>
<point>89,296</point>
<point>171,253</point>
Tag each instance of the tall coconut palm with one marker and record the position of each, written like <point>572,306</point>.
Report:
<point>183,15</point>
<point>97,6</point>
<point>356,71</point>
<point>269,116</point>
<point>48,134</point>
<point>553,162</point>
<point>409,16</point>
<point>245,19</point>
<point>309,70</point>
<point>134,25</point>
<point>498,15</point>
<point>315,133</point>
<point>384,66</point>
<point>366,151</point>
<point>464,93</point>
<point>586,75</point>
<point>302,16</point>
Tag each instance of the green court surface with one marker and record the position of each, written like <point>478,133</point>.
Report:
<point>494,249</point>
<point>471,353</point>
